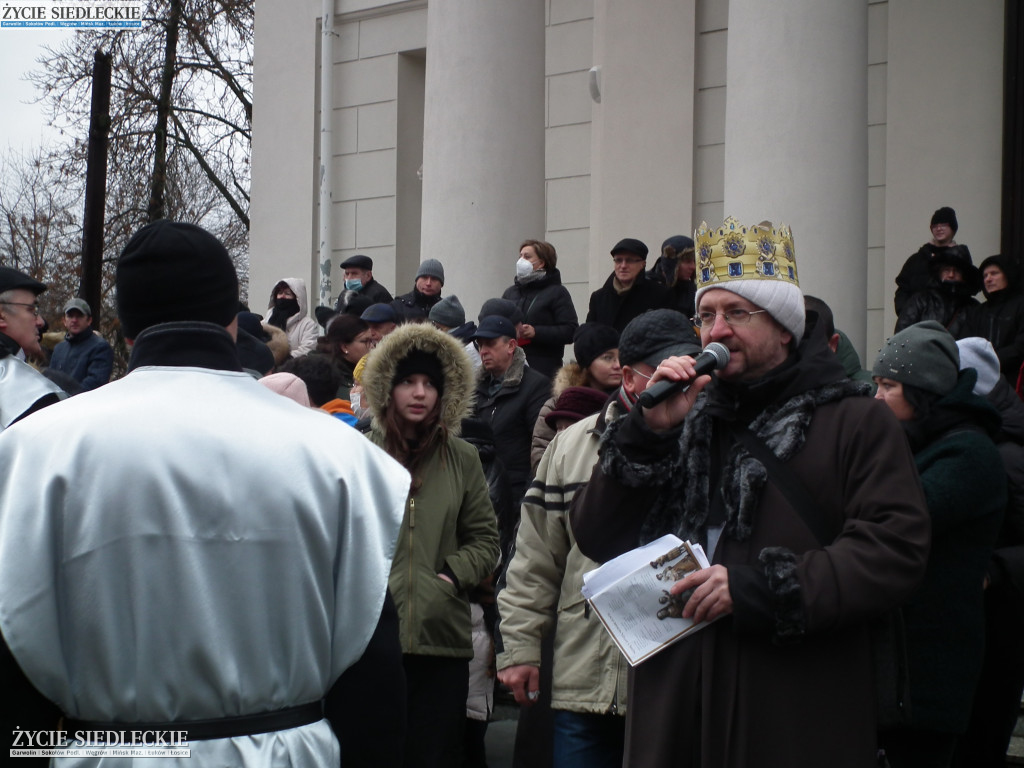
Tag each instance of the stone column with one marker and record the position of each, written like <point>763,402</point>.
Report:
<point>483,142</point>
<point>796,139</point>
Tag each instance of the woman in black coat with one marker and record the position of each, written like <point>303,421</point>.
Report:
<point>550,318</point>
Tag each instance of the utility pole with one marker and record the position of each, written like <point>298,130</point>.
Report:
<point>96,187</point>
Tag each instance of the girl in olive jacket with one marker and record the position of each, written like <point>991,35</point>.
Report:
<point>419,382</point>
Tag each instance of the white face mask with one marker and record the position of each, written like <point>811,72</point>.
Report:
<point>523,267</point>
<point>355,399</point>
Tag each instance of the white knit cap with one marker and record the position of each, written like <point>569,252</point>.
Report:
<point>979,354</point>
<point>783,300</point>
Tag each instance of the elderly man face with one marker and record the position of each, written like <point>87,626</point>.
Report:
<point>355,273</point>
<point>496,354</point>
<point>756,342</point>
<point>19,319</point>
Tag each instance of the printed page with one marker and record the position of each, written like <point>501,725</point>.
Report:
<point>630,596</point>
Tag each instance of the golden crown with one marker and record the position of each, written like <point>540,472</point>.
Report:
<point>735,252</point>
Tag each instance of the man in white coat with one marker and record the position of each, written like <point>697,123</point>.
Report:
<point>168,562</point>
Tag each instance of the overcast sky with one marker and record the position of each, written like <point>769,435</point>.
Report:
<point>22,125</point>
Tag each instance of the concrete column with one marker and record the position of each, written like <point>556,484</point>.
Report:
<point>483,143</point>
<point>282,209</point>
<point>796,139</point>
<point>641,182</point>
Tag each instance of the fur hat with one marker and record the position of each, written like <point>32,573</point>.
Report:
<point>592,340</point>
<point>979,354</point>
<point>945,215</point>
<point>677,246</point>
<point>431,268</point>
<point>456,369</point>
<point>279,345</point>
<point>923,355</point>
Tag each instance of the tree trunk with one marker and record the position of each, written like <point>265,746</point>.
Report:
<point>163,111</point>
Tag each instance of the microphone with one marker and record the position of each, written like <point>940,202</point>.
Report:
<point>714,357</point>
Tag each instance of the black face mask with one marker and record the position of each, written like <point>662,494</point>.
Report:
<point>283,309</point>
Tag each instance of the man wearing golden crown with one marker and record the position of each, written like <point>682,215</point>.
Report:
<point>805,496</point>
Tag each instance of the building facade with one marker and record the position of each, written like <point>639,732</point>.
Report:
<point>455,129</point>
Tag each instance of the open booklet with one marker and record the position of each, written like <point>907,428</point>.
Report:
<point>630,595</point>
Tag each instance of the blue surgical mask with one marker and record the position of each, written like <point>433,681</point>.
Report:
<point>353,284</point>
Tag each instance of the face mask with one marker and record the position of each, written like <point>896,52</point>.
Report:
<point>355,399</point>
<point>523,267</point>
<point>354,284</point>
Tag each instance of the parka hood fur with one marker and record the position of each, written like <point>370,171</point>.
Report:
<point>457,399</point>
<point>569,375</point>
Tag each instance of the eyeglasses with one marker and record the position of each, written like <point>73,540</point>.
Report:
<point>732,317</point>
<point>33,308</point>
<point>620,260</point>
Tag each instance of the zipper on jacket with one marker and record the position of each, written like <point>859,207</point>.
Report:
<point>409,582</point>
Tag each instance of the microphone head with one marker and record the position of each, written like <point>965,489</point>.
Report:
<point>720,352</point>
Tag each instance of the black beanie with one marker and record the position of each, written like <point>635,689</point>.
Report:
<point>418,361</point>
<point>170,272</point>
<point>945,215</point>
<point>592,340</point>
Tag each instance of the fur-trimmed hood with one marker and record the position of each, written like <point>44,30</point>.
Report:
<point>569,375</point>
<point>457,398</point>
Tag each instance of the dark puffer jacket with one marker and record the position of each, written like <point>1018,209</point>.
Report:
<point>414,306</point>
<point>512,411</point>
<point>616,309</point>
<point>547,306</point>
<point>948,303</point>
<point>916,273</point>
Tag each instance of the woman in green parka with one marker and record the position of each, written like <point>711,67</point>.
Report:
<point>420,385</point>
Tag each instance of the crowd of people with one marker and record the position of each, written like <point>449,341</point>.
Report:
<point>327,536</point>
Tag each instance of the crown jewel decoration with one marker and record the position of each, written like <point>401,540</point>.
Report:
<point>735,252</point>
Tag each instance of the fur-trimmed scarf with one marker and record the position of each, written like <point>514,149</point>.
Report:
<point>683,476</point>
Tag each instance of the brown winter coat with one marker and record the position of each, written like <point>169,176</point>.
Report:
<point>786,679</point>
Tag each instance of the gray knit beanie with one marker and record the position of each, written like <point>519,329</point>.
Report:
<point>923,355</point>
<point>448,312</point>
<point>431,268</point>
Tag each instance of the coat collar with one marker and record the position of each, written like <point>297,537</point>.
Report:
<point>185,344</point>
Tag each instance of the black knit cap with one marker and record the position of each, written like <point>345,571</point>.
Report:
<point>656,335</point>
<point>171,272</point>
<point>592,340</point>
<point>418,361</point>
<point>945,215</point>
